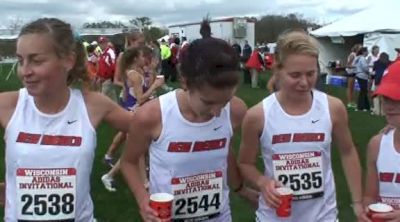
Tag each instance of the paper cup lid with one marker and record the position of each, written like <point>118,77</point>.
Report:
<point>284,191</point>
<point>380,207</point>
<point>161,197</point>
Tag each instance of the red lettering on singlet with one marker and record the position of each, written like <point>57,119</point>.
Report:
<point>179,147</point>
<point>281,138</point>
<point>397,178</point>
<point>198,146</point>
<point>386,177</point>
<point>54,140</point>
<point>28,138</point>
<point>209,145</point>
<point>308,137</point>
<point>61,140</point>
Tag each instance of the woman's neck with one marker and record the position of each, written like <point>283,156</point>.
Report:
<point>186,110</point>
<point>53,103</point>
<point>295,105</point>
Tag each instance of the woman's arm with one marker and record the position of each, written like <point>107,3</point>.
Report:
<point>372,180</point>
<point>235,179</point>
<point>136,80</point>
<point>252,128</point>
<point>100,108</point>
<point>238,110</point>
<point>117,74</point>
<point>143,129</point>
<point>8,102</point>
<point>348,153</point>
<point>350,61</point>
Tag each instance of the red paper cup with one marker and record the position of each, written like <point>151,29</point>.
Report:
<point>162,203</point>
<point>286,196</point>
<point>378,208</point>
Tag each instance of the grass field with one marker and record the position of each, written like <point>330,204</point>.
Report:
<point>120,206</point>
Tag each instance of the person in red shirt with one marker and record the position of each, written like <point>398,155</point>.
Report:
<point>255,64</point>
<point>106,68</point>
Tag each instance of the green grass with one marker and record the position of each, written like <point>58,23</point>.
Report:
<point>120,206</point>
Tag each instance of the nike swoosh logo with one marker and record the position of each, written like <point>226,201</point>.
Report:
<point>70,122</point>
<point>314,121</point>
<point>217,128</point>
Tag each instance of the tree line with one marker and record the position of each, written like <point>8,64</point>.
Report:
<point>267,28</point>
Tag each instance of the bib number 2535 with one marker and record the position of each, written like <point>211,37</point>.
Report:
<point>304,181</point>
<point>52,204</point>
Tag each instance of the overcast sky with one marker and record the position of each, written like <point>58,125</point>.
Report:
<point>168,12</point>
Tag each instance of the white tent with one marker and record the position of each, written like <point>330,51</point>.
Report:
<point>377,25</point>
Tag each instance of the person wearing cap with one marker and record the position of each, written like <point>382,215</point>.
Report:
<point>383,157</point>
<point>97,48</point>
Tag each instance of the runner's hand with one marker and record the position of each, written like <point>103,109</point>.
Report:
<point>389,217</point>
<point>158,82</point>
<point>360,212</point>
<point>148,214</point>
<point>268,190</point>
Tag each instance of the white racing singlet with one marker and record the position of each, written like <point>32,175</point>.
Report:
<point>49,159</point>
<point>189,160</point>
<point>388,168</point>
<point>297,151</point>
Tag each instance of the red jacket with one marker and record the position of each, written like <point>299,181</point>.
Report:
<point>106,64</point>
<point>255,61</point>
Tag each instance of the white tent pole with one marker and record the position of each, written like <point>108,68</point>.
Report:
<point>11,71</point>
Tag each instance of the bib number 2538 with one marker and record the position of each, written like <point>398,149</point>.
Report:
<point>42,204</point>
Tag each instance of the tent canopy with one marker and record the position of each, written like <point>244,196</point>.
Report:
<point>165,38</point>
<point>372,19</point>
<point>369,27</point>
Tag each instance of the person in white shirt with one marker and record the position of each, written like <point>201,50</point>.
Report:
<point>188,136</point>
<point>294,128</point>
<point>383,158</point>
<point>50,127</point>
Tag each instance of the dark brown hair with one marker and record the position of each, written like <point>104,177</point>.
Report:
<point>64,44</point>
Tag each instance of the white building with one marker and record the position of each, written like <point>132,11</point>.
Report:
<point>229,29</point>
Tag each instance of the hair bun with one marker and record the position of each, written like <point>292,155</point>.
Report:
<point>205,29</point>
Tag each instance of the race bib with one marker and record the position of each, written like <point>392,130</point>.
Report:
<point>197,197</point>
<point>46,194</point>
<point>392,201</point>
<point>302,172</point>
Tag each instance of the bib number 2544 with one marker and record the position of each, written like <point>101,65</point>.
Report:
<point>193,204</point>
